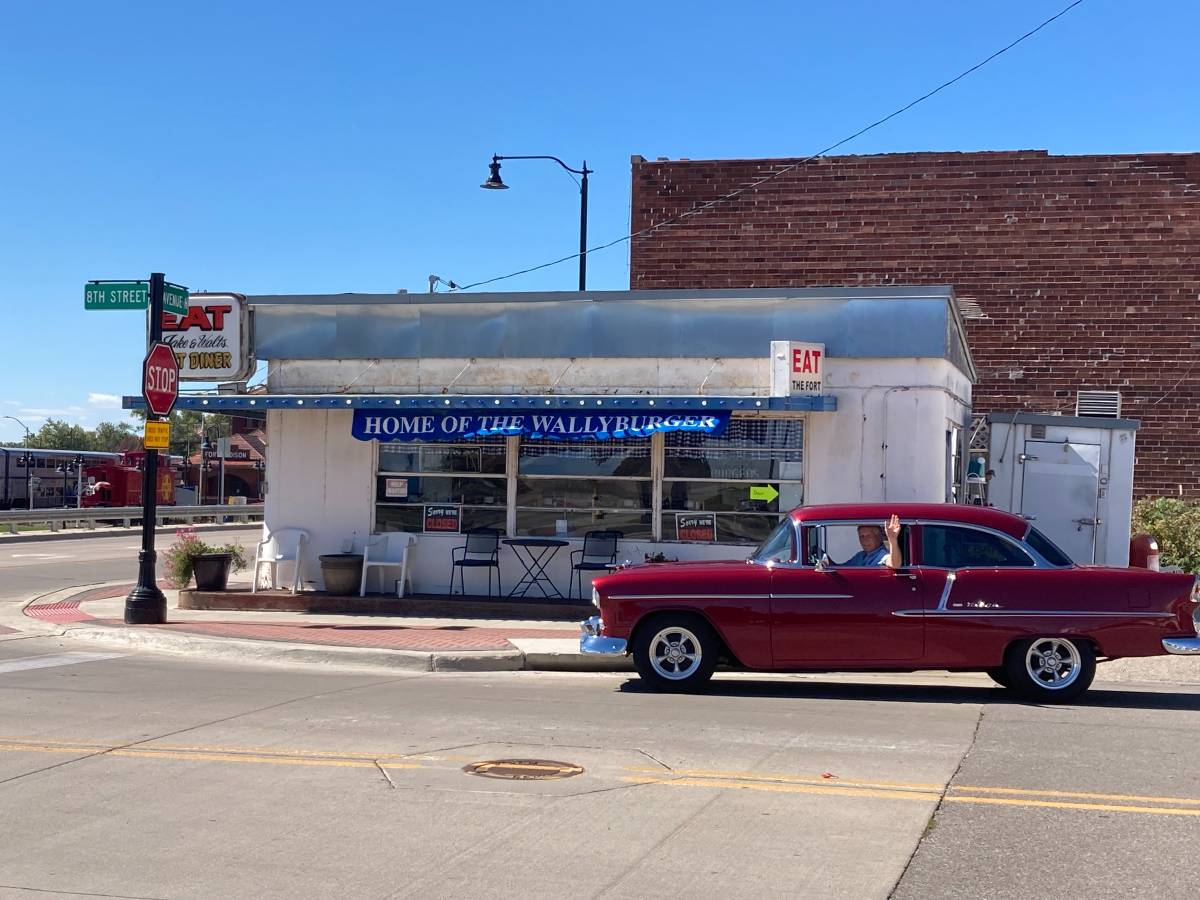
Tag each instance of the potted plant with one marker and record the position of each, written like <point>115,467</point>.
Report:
<point>210,564</point>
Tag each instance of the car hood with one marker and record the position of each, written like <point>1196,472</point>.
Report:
<point>701,572</point>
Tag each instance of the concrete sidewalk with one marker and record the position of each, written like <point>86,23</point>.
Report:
<point>95,613</point>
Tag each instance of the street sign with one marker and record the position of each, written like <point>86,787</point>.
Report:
<point>132,295</point>
<point>175,299</point>
<point>160,379</point>
<point>157,435</point>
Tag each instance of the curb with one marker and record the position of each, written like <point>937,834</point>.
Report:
<point>285,653</point>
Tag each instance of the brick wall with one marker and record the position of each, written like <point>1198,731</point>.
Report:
<point>1086,266</point>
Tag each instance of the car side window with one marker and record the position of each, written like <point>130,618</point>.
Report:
<point>951,547</point>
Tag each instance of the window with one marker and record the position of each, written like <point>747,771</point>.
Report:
<point>1046,548</point>
<point>570,488</point>
<point>851,544</point>
<point>469,475</point>
<point>953,547</point>
<point>778,545</point>
<point>746,477</point>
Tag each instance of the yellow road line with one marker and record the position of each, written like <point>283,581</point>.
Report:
<point>214,755</point>
<point>928,797</point>
<point>1058,804</point>
<point>1079,795</point>
<point>790,779</point>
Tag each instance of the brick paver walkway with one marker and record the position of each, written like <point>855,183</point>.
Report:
<point>433,638</point>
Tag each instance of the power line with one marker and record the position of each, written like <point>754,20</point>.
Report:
<point>786,169</point>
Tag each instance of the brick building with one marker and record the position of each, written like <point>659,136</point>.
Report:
<point>1083,268</point>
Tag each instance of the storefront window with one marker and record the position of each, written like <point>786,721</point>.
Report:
<point>469,476</point>
<point>730,489</point>
<point>567,488</point>
<point>745,478</point>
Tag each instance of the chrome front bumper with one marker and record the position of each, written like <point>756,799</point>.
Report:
<point>590,640</point>
<point>1185,646</point>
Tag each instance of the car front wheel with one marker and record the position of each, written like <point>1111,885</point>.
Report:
<point>676,653</point>
<point>1050,669</point>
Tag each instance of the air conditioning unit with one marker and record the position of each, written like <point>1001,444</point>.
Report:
<point>1098,404</point>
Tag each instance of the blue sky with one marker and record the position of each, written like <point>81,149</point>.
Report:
<point>318,147</point>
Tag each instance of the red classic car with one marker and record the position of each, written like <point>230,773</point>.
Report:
<point>976,590</point>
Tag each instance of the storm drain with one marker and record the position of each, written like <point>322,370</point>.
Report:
<point>523,769</point>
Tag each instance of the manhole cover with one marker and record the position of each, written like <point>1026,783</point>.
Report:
<point>523,769</point>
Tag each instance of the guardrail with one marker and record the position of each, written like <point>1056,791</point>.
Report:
<point>126,515</point>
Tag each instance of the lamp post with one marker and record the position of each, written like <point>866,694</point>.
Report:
<point>494,183</point>
<point>28,459</point>
<point>72,467</point>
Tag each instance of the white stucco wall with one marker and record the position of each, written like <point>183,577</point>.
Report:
<point>885,442</point>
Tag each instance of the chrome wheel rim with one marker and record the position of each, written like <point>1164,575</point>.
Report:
<point>1052,663</point>
<point>675,653</point>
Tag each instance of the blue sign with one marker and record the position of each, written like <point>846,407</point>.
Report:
<point>372,425</point>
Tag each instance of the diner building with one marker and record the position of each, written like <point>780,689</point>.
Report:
<point>687,421</point>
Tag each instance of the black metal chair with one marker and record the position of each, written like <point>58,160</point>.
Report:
<point>481,551</point>
<point>598,554</point>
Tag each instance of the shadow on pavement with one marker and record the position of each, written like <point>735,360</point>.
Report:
<point>1107,698</point>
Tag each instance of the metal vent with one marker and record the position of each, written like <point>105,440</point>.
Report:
<point>1099,404</point>
<point>969,308</point>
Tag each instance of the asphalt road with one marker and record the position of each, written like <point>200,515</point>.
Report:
<point>135,775</point>
<point>30,568</point>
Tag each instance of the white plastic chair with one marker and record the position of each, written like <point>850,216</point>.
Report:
<point>383,551</point>
<point>281,545</point>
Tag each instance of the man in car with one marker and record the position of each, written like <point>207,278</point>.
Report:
<point>880,546</point>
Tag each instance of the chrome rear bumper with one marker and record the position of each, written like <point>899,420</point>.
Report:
<point>1186,646</point>
<point>590,640</point>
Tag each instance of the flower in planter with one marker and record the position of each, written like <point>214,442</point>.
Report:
<point>179,559</point>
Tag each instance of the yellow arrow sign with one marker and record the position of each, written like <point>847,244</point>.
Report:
<point>763,492</point>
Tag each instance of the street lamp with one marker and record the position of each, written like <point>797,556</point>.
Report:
<point>73,467</point>
<point>27,461</point>
<point>494,183</point>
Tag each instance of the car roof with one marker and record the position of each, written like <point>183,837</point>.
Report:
<point>908,512</point>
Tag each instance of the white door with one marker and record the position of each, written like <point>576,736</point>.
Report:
<point>1061,492</point>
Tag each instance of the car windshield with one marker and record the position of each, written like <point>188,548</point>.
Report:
<point>778,545</point>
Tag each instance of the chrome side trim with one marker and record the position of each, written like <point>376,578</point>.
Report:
<point>590,640</point>
<point>1029,614</point>
<point>950,576</point>
<point>812,596</point>
<point>1184,646</point>
<point>689,597</point>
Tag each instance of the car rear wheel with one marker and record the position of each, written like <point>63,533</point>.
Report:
<point>676,653</point>
<point>1051,669</point>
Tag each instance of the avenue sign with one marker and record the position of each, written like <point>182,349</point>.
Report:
<point>160,379</point>
<point>132,295</point>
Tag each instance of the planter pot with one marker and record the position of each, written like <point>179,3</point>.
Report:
<point>342,572</point>
<point>211,571</point>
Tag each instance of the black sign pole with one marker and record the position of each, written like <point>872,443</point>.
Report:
<point>146,604</point>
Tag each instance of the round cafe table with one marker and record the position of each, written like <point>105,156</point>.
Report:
<point>534,554</point>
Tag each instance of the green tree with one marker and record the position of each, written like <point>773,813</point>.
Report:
<point>58,434</point>
<point>112,437</point>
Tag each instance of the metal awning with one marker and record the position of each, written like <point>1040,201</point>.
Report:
<point>248,404</point>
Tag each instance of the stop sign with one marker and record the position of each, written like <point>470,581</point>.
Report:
<point>160,379</point>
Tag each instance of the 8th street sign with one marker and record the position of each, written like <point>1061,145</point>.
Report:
<point>160,379</point>
<point>133,295</point>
